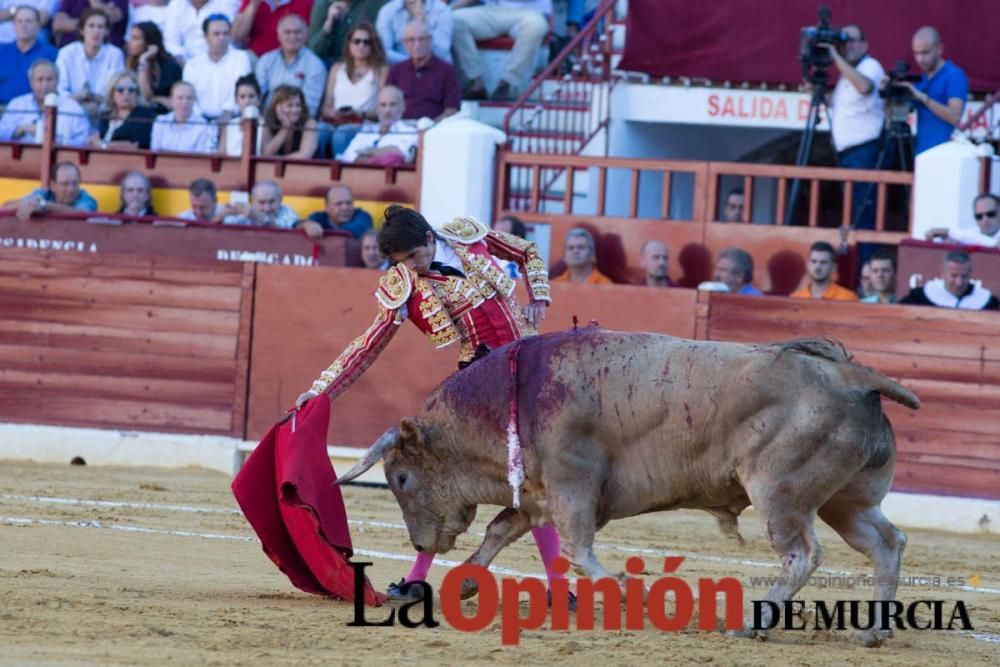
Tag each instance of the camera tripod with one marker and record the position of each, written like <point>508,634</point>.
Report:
<point>818,101</point>
<point>897,141</point>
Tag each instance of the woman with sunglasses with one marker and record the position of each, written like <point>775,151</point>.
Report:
<point>353,85</point>
<point>124,122</point>
<point>155,69</point>
<point>288,130</point>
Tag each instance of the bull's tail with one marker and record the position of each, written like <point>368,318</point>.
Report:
<point>885,386</point>
<point>833,350</point>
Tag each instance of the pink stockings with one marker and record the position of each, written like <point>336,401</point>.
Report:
<point>546,538</point>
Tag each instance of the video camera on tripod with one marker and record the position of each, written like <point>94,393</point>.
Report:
<point>898,98</point>
<point>815,58</point>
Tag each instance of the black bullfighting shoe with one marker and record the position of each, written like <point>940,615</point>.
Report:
<point>405,592</point>
<point>572,600</point>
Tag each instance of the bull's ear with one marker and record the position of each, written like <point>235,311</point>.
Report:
<point>387,441</point>
<point>411,433</point>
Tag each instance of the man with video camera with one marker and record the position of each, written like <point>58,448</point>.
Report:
<point>857,114</point>
<point>940,94</point>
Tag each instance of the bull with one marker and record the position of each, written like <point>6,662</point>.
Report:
<point>619,424</point>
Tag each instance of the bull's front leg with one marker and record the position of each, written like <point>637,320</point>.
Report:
<point>574,513</point>
<point>507,526</point>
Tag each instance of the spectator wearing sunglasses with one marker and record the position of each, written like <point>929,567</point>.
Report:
<point>124,122</point>
<point>986,233</point>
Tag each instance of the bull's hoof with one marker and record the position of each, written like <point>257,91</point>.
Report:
<point>469,589</point>
<point>870,638</point>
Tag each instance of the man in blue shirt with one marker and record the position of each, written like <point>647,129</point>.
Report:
<point>734,268</point>
<point>341,214</point>
<point>941,92</point>
<point>18,56</point>
<point>64,195</point>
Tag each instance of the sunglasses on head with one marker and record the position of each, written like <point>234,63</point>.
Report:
<point>126,89</point>
<point>360,41</point>
<point>986,214</point>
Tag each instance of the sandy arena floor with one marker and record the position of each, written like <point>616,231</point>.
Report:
<point>121,583</point>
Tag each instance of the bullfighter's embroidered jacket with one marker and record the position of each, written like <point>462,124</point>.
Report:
<point>477,309</point>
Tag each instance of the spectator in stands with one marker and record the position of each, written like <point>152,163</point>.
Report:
<point>341,214</point>
<point>184,35</point>
<point>940,94</point>
<point>524,20</point>
<point>86,66</point>
<point>8,19</point>
<point>288,130</point>
<point>732,209</point>
<point>510,224</point>
<point>69,20</point>
<point>986,210</point>
<point>580,257</point>
<point>396,14</point>
<point>391,140</point>
<point>155,69</point>
<point>353,84</point>
<point>231,134</point>
<point>734,269</point>
<point>819,268</point>
<point>214,73</point>
<point>265,210</point>
<point>293,64</point>
<point>654,259</point>
<point>256,26</point>
<point>857,116</point>
<point>156,12</point>
<point>136,195</point>
<point>205,206</point>
<point>17,55</point>
<point>371,256</point>
<point>24,118</point>
<point>64,196</point>
<point>124,122</point>
<point>331,20</point>
<point>954,289</point>
<point>865,280</point>
<point>429,84</point>
<point>882,272</point>
<point>182,129</point>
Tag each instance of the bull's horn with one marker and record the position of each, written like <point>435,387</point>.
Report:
<point>386,441</point>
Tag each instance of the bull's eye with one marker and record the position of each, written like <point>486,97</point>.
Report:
<point>401,480</point>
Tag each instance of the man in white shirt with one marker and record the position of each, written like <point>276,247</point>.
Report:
<point>986,233</point>
<point>293,64</point>
<point>265,210</point>
<point>184,37</point>
<point>24,118</point>
<point>390,135</point>
<point>86,66</point>
<point>182,130</point>
<point>857,116</point>
<point>524,20</point>
<point>214,73</point>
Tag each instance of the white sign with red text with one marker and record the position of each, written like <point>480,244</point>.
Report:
<point>699,105</point>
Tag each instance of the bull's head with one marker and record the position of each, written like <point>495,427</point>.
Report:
<point>423,487</point>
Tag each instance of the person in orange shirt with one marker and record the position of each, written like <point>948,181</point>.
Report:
<point>820,270</point>
<point>580,258</point>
